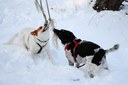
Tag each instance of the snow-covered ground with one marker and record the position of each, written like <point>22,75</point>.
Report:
<point>105,28</point>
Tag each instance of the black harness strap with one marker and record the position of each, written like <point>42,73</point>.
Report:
<point>26,46</point>
<point>41,47</point>
<point>42,41</point>
<point>80,66</point>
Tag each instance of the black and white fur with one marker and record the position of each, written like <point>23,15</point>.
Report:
<point>35,44</point>
<point>86,52</point>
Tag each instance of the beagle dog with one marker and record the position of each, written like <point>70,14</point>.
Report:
<point>83,53</point>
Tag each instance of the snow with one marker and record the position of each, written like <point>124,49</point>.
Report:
<point>106,28</point>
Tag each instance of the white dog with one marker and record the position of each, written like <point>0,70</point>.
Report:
<point>36,41</point>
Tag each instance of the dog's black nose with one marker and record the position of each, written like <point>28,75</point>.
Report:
<point>55,30</point>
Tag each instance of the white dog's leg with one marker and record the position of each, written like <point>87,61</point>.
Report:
<point>47,49</point>
<point>55,43</point>
<point>11,41</point>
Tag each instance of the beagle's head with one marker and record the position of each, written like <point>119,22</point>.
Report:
<point>64,35</point>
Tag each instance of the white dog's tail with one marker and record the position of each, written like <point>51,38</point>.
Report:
<point>114,48</point>
<point>11,41</point>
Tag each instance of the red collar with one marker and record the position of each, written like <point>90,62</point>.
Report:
<point>75,42</point>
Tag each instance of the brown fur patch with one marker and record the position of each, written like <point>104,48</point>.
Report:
<point>35,32</point>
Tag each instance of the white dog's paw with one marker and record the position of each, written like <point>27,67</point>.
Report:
<point>54,62</point>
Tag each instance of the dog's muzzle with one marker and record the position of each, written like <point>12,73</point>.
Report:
<point>56,31</point>
<point>55,37</point>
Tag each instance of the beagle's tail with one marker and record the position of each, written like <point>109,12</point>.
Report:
<point>114,48</point>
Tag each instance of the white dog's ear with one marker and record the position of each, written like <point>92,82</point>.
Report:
<point>55,42</point>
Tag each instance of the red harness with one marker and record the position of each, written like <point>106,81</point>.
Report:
<point>74,53</point>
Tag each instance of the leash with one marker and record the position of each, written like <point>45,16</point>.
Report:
<point>48,9</point>
<point>39,7</point>
<point>81,66</point>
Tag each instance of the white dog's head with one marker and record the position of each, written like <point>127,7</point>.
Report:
<point>42,32</point>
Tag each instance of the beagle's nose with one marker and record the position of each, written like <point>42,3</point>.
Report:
<point>55,30</point>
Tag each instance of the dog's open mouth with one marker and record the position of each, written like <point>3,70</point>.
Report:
<point>45,27</point>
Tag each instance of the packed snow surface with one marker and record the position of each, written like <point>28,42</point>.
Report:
<point>105,28</point>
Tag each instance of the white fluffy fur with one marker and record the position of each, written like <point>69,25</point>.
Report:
<point>27,39</point>
<point>90,69</point>
<point>55,38</point>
